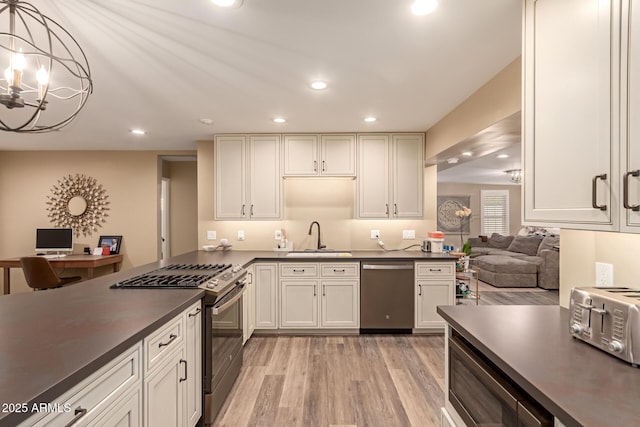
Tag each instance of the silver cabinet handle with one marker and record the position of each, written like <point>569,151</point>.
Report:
<point>625,190</point>
<point>79,413</point>
<point>195,313</point>
<point>172,338</point>
<point>594,192</point>
<point>185,370</point>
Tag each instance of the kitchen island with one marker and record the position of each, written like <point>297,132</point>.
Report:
<point>577,383</point>
<point>52,340</point>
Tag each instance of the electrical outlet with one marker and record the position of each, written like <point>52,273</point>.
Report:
<point>408,234</point>
<point>604,274</point>
<point>278,234</point>
<point>240,235</point>
<point>375,234</point>
<point>211,235</point>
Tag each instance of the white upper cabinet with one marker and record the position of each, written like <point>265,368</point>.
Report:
<point>630,129</point>
<point>248,181</point>
<point>390,175</point>
<point>571,109</point>
<point>319,155</point>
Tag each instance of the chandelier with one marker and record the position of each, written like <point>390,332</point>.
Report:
<point>515,175</point>
<point>44,74</point>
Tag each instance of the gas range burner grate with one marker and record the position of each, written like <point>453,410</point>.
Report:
<point>180,281</point>
<point>217,268</point>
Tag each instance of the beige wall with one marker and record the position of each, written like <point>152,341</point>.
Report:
<point>580,250</point>
<point>473,190</point>
<point>329,201</point>
<point>183,200</point>
<point>497,99</point>
<point>129,178</point>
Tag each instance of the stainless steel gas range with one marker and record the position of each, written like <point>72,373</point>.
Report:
<point>224,285</point>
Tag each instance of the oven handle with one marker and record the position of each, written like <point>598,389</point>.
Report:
<point>220,309</point>
<point>485,374</point>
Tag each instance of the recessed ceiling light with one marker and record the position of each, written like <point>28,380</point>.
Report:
<point>279,120</point>
<point>138,131</point>
<point>502,156</point>
<point>423,7</point>
<point>467,153</point>
<point>452,161</point>
<point>318,85</point>
<point>370,119</point>
<point>227,3</point>
<point>207,122</point>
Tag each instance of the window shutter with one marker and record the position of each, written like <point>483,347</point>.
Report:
<point>495,211</point>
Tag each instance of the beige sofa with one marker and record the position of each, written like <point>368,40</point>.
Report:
<point>517,261</point>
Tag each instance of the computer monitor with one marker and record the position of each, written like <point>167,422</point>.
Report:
<point>54,240</point>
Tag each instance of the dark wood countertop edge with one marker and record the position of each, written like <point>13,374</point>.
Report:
<point>534,392</point>
<point>57,390</point>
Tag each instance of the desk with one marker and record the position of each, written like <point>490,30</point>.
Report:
<point>90,262</point>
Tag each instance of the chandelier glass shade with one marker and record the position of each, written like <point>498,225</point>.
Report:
<point>45,78</point>
<point>515,175</point>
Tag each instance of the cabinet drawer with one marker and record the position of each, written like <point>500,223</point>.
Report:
<point>163,342</point>
<point>299,270</point>
<point>351,269</point>
<point>431,269</point>
<point>95,394</point>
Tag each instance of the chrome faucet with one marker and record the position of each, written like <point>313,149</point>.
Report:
<point>320,246</point>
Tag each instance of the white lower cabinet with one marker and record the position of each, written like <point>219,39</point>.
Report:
<point>165,393</point>
<point>249,306</point>
<point>193,356</point>
<point>324,295</point>
<point>266,295</point>
<point>434,285</point>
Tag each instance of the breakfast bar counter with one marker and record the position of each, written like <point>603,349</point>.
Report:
<point>579,384</point>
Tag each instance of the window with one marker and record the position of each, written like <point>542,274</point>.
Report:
<point>495,212</point>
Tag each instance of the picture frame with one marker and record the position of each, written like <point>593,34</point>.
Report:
<point>113,242</point>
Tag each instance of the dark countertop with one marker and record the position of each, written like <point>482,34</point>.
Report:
<point>51,340</point>
<point>579,384</point>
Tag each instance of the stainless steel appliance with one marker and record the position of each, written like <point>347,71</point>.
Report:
<point>483,396</point>
<point>609,319</point>
<point>386,296</point>
<point>222,341</point>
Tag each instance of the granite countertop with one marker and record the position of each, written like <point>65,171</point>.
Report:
<point>51,340</point>
<point>579,384</point>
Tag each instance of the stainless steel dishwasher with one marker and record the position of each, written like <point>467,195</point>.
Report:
<point>386,296</point>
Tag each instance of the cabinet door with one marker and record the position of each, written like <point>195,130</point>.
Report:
<point>230,161</point>
<point>164,405</point>
<point>299,303</point>
<point>338,155</point>
<point>408,166</point>
<point>265,178</point>
<point>339,304</point>
<point>429,295</point>
<point>193,352</point>
<point>126,413</point>
<point>630,161</point>
<point>249,306</point>
<point>373,176</point>
<point>301,155</point>
<point>266,291</point>
<point>570,141</point>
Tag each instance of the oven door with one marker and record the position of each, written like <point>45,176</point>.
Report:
<point>223,336</point>
<point>482,396</point>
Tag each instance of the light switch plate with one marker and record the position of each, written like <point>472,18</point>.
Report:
<point>408,234</point>
<point>211,235</point>
<point>240,235</point>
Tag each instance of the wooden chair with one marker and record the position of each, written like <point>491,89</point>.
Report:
<point>40,274</point>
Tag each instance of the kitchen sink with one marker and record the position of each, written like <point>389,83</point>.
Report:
<point>319,253</point>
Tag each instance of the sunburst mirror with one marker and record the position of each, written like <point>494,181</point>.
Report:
<point>78,202</point>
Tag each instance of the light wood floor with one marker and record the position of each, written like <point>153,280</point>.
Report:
<point>366,380</point>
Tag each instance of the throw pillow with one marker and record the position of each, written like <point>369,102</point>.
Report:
<point>527,245</point>
<point>499,241</point>
<point>548,243</point>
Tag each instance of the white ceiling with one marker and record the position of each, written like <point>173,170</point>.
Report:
<point>164,64</point>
